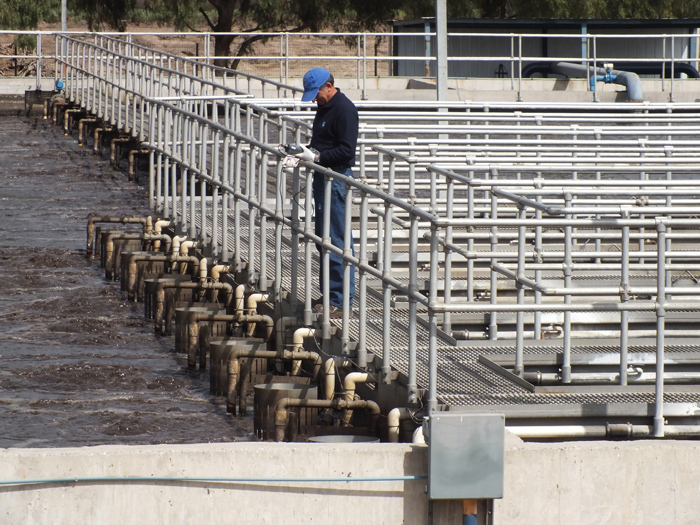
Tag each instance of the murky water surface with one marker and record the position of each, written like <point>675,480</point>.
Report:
<point>79,365</point>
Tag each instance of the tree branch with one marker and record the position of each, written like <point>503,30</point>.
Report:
<point>206,17</point>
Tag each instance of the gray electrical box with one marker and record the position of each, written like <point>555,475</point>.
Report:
<point>466,454</point>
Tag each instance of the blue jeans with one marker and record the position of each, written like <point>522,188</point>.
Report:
<point>337,235</point>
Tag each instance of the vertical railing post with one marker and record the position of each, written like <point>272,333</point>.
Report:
<point>624,287</point>
<point>38,60</point>
<point>412,386</point>
<point>347,271</point>
<point>660,326</point>
<point>447,279</point>
<point>386,274</point>
<point>520,289</point>
<point>431,404</point>
<point>493,284</point>
<point>568,271</point>
<point>362,284</point>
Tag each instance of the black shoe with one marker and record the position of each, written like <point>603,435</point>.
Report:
<point>334,312</point>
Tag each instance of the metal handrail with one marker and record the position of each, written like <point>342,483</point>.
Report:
<point>233,184</point>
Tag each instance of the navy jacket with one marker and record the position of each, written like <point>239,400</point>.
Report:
<point>335,132</point>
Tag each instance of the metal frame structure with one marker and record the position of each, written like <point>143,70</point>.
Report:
<point>356,63</point>
<point>526,206</point>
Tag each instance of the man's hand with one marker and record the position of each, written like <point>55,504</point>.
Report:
<point>290,162</point>
<point>306,154</point>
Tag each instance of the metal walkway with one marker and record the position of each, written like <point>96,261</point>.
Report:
<point>535,261</point>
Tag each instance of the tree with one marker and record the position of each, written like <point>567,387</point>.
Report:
<point>257,16</point>
<point>250,16</point>
<point>105,14</point>
<point>26,14</point>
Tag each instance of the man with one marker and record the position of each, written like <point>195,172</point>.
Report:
<point>332,145</point>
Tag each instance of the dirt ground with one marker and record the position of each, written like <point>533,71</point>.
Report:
<point>304,51</point>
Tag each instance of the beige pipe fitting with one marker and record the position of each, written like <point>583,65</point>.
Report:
<point>281,326</point>
<point>351,380</point>
<point>159,314</point>
<point>68,118</point>
<point>203,263</point>
<point>184,251</point>
<point>253,300</point>
<point>215,287</point>
<point>113,148</point>
<point>177,241</point>
<point>156,238</point>
<point>217,270</point>
<point>94,219</point>
<point>298,345</point>
<point>329,372</point>
<point>158,230</point>
<point>97,139</point>
<point>418,436</point>
<point>158,226</point>
<point>160,295</point>
<point>109,249</point>
<point>215,274</point>
<point>193,336</point>
<point>132,162</point>
<point>132,271</point>
<point>281,415</point>
<point>203,271</point>
<point>394,418</point>
<point>235,392</point>
<point>82,125</point>
<point>185,247</point>
<point>349,389</point>
<point>238,299</point>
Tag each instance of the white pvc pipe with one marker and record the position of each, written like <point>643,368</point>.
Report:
<point>158,230</point>
<point>203,270</point>
<point>351,380</point>
<point>158,226</point>
<point>298,342</point>
<point>418,436</point>
<point>253,300</point>
<point>349,389</point>
<point>185,247</point>
<point>394,418</point>
<point>177,240</point>
<point>239,298</point>
<point>329,371</point>
<point>563,431</point>
<point>217,270</point>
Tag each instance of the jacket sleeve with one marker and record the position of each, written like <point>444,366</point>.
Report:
<point>345,128</point>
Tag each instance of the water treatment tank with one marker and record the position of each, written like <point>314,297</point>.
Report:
<point>266,398</point>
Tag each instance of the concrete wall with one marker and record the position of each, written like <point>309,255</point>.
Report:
<point>643,482</point>
<point>168,503</point>
<point>601,482</point>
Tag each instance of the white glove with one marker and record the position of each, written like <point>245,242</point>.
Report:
<point>306,154</point>
<point>290,162</point>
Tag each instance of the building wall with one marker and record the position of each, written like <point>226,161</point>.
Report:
<point>532,47</point>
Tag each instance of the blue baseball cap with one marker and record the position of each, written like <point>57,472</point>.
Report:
<point>313,80</point>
